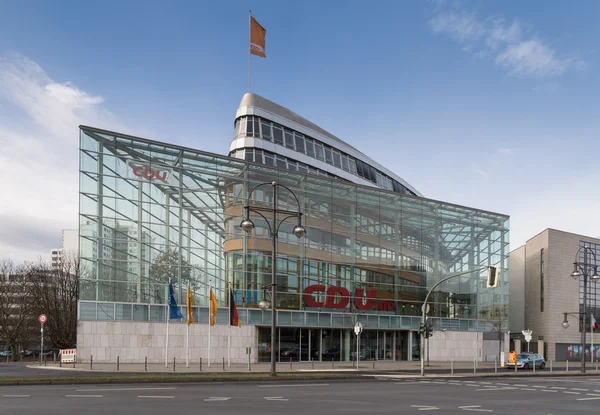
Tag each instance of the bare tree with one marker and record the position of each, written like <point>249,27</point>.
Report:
<point>17,322</point>
<point>55,290</point>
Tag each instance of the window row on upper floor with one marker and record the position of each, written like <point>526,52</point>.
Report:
<point>257,127</point>
<point>257,155</point>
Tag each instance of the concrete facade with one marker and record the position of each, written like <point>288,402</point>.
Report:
<point>132,342</point>
<point>465,346</point>
<point>560,291</point>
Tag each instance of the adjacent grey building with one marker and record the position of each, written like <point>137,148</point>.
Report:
<point>542,290</point>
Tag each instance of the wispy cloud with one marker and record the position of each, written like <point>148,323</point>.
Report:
<point>509,45</point>
<point>505,151</point>
<point>479,171</point>
<point>39,153</point>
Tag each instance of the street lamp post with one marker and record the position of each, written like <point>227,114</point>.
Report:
<point>247,225</point>
<point>582,269</point>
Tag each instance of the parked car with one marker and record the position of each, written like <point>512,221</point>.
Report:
<point>6,353</point>
<point>331,353</point>
<point>527,361</point>
<point>295,352</point>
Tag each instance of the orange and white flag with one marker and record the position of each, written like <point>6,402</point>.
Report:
<point>257,38</point>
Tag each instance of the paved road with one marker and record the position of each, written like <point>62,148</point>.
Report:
<point>381,395</point>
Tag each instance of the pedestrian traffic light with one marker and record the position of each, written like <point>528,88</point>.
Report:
<point>492,277</point>
<point>422,328</point>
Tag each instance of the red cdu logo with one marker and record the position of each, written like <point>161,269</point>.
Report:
<point>152,173</point>
<point>339,297</point>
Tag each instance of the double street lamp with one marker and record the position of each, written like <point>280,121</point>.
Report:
<point>299,231</point>
<point>585,270</point>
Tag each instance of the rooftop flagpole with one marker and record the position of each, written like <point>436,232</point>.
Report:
<point>249,49</point>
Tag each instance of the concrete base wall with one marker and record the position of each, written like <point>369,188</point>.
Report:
<point>463,346</point>
<point>132,342</point>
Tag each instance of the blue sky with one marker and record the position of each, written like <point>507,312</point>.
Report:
<point>490,104</point>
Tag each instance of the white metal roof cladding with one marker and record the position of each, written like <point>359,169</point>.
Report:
<point>252,104</point>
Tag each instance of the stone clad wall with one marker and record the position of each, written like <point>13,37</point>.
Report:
<point>133,341</point>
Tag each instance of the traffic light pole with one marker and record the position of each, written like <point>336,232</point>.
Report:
<point>424,312</point>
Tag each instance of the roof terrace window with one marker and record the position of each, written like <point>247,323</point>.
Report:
<point>319,151</point>
<point>266,131</point>
<point>310,148</point>
<point>299,142</point>
<point>328,158</point>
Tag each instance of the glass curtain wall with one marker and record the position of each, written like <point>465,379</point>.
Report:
<point>153,213</point>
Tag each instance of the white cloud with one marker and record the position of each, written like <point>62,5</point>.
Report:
<point>508,45</point>
<point>479,171</point>
<point>39,155</point>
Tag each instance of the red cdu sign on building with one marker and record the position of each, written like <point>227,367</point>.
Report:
<point>339,297</point>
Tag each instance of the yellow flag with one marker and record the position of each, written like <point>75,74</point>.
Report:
<point>213,308</point>
<point>257,38</point>
<point>190,303</point>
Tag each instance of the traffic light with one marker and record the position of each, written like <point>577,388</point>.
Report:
<point>422,328</point>
<point>429,329</point>
<point>492,277</point>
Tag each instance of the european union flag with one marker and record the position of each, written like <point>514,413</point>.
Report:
<point>174,311</point>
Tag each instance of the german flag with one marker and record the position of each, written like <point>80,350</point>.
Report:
<point>234,320</point>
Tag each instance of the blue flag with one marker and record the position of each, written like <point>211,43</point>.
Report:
<point>174,311</point>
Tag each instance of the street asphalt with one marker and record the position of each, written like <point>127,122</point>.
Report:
<point>383,394</point>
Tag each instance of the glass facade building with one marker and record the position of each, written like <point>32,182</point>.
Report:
<point>152,212</point>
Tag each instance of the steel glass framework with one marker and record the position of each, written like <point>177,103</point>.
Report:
<point>151,212</point>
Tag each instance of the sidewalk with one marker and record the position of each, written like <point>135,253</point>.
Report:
<point>284,367</point>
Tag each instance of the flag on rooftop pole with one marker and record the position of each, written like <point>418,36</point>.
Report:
<point>257,35</point>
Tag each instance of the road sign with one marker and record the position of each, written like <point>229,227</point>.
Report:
<point>425,311</point>
<point>358,328</point>
<point>42,318</point>
<point>527,334</point>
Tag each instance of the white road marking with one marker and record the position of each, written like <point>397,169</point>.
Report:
<point>216,398</point>
<point>294,386</point>
<point>275,398</point>
<point>487,383</point>
<point>16,396</point>
<point>557,387</point>
<point>469,381</point>
<point>407,383</point>
<point>519,385</point>
<point>474,408</point>
<point>528,389</point>
<point>425,407</point>
<point>588,399</point>
<point>549,390</point>
<point>498,383</point>
<point>579,389</point>
<point>538,386</point>
<point>490,388</point>
<point>123,389</point>
<point>572,393</point>
<point>83,396</point>
<point>155,397</point>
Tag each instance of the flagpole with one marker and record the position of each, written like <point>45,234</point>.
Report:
<point>167,336</point>
<point>187,331</point>
<point>249,50</point>
<point>229,334</point>
<point>209,322</point>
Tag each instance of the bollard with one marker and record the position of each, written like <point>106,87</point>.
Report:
<point>45,361</point>
<point>551,365</point>
<point>332,364</point>
<point>200,364</point>
<point>534,366</point>
<point>146,364</point>
<point>173,364</point>
<point>60,362</point>
<point>373,363</point>
<point>313,363</point>
<point>74,359</point>
<point>515,366</point>
<point>474,365</point>
<point>118,362</point>
<point>495,364</point>
<point>290,363</point>
<point>53,358</point>
<point>567,367</point>
<point>91,361</point>
<point>223,364</point>
<point>452,367</point>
